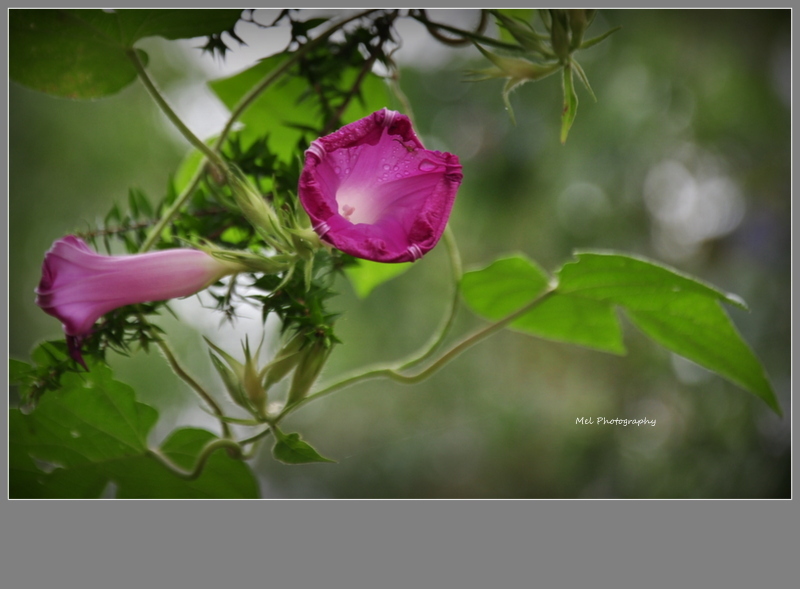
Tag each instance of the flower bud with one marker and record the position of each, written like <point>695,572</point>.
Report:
<point>523,34</point>
<point>78,285</point>
<point>559,34</point>
<point>285,360</point>
<point>242,381</point>
<point>578,22</point>
<point>258,212</point>
<point>251,381</point>
<point>312,359</point>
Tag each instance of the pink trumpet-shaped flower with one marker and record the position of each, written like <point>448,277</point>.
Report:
<point>373,191</point>
<point>79,285</point>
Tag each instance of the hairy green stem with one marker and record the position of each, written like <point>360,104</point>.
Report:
<point>405,104</point>
<point>447,324</point>
<point>365,69</point>
<point>176,367</point>
<point>257,437</point>
<point>393,372</point>
<point>155,232</point>
<point>202,458</point>
<point>256,91</point>
<point>167,110</point>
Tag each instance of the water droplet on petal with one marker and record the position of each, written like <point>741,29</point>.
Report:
<point>427,166</point>
<point>385,166</point>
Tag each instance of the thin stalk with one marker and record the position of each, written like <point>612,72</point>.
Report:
<point>176,367</point>
<point>202,459</point>
<point>167,110</point>
<point>257,437</point>
<point>392,372</point>
<point>405,104</point>
<point>155,232</point>
<point>467,343</point>
<point>447,324</point>
<point>365,69</point>
<point>256,91</point>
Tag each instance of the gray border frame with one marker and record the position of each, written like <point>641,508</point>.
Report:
<point>386,544</point>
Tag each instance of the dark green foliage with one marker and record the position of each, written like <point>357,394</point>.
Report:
<point>93,432</point>
<point>82,53</point>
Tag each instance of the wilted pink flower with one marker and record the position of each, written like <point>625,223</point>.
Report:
<point>373,191</point>
<point>79,285</point>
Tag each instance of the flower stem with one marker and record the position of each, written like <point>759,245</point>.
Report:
<point>202,458</point>
<point>256,91</point>
<point>176,367</point>
<point>256,437</point>
<point>466,343</point>
<point>166,218</point>
<point>393,372</point>
<point>167,110</point>
<point>447,324</point>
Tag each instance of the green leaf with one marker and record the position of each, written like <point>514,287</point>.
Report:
<point>366,275</point>
<point>290,449</point>
<point>506,285</point>
<point>93,432</point>
<point>594,41</point>
<point>584,79</point>
<point>570,104</point>
<point>509,284</point>
<point>280,111</point>
<point>82,53</point>
<point>631,280</point>
<point>680,312</point>
<point>573,320</point>
<point>272,111</point>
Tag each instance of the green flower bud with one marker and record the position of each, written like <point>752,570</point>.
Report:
<point>578,22</point>
<point>231,380</point>
<point>283,363</point>
<point>523,33</point>
<point>242,381</point>
<point>258,212</point>
<point>251,382</point>
<point>515,68</point>
<point>559,33</point>
<point>312,359</point>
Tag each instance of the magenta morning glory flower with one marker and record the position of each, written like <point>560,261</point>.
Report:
<point>373,191</point>
<point>79,285</point>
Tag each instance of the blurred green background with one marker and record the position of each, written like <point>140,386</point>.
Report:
<point>685,158</point>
